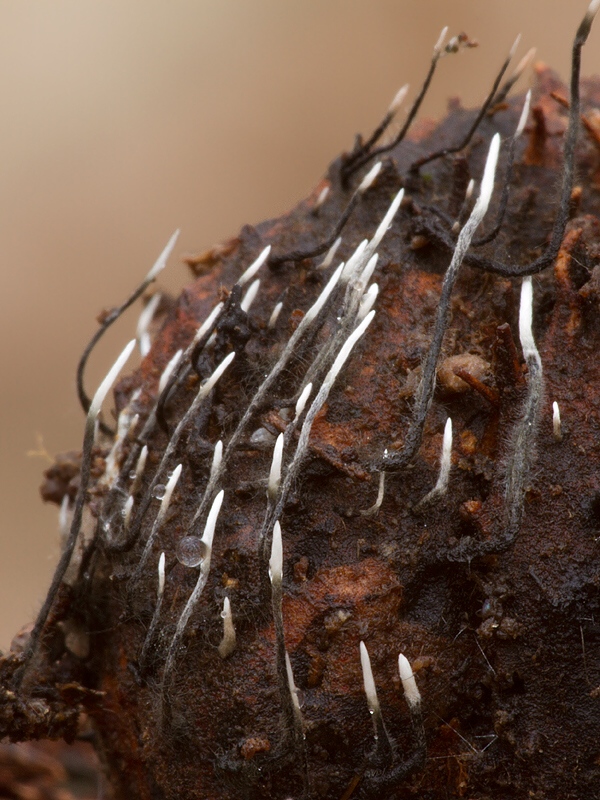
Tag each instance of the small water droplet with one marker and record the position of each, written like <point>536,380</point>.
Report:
<point>124,512</point>
<point>159,491</point>
<point>132,475</point>
<point>191,551</point>
<point>106,527</point>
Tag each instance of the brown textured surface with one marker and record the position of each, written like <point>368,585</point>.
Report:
<point>505,646</point>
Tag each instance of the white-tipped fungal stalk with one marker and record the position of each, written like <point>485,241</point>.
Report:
<point>250,296</point>
<point>168,370</point>
<point>161,261</point>
<point>275,472</point>
<point>441,486</point>
<point>368,681</point>
<point>160,517</point>
<point>275,315</point>
<point>293,690</point>
<point>107,383</point>
<point>369,178</point>
<point>302,400</point>
<point>323,195</point>
<point>227,645</point>
<point>207,540</point>
<point>276,560</point>
<point>367,302</point>
<point>143,326</point>
<point>556,424</point>
<point>330,255</point>
<point>399,98</point>
<point>247,276</point>
<point>409,684</point>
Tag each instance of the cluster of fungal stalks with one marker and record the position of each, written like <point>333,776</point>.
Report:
<point>300,524</point>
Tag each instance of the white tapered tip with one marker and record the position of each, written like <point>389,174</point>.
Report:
<point>275,473</point>
<point>330,255</point>
<point>217,457</point>
<point>212,380</point>
<point>513,49</point>
<point>368,681</point>
<point>108,381</point>
<point>161,574</point>
<point>369,178</point>
<point>592,10</point>
<point>524,115</point>
<point>556,424</point>
<point>438,45</point>
<point>276,560</point>
<point>250,296</point>
<point>171,484</point>
<point>254,267</point>
<point>301,401</point>
<point>161,261</point>
<point>399,98</point>
<point>211,522</point>
<point>323,194</point>
<point>409,684</point>
<point>367,302</point>
<point>275,315</point>
<point>526,318</point>
<point>169,370</point>
<point>487,182</point>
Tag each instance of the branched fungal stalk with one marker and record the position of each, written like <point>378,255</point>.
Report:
<point>424,395</point>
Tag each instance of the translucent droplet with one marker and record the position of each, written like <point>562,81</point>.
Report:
<point>132,475</point>
<point>191,551</point>
<point>159,491</point>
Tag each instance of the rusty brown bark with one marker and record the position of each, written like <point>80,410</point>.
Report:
<point>502,631</point>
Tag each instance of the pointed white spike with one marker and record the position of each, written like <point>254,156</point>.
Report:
<point>556,424</point>
<point>216,460</point>
<point>292,687</point>
<point>250,296</point>
<point>370,177</point>
<point>212,380</point>
<point>209,529</point>
<point>592,11</point>
<point>411,692</point>
<point>440,42</point>
<point>227,645</point>
<point>368,681</point>
<point>523,63</point>
<point>445,460</point>
<point>169,488</point>
<point>385,223</point>
<point>161,261</point>
<point>346,350</point>
<point>108,381</point>
<point>322,298</point>
<point>525,320</point>
<point>524,115</point>
<point>144,320</point>
<point>63,517</point>
<point>275,473</point>
<point>470,187</point>
<point>323,194</point>
<point>208,323</point>
<point>276,560</point>
<point>161,575</point>
<point>354,259</point>
<point>399,98</point>
<point>330,255</point>
<point>127,509</point>
<point>301,402</point>
<point>140,466</point>
<point>275,315</point>
<point>487,182</point>
<point>513,49</point>
<point>367,302</point>
<point>169,370</point>
<point>254,267</point>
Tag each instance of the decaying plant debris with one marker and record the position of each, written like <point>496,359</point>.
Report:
<point>286,573</point>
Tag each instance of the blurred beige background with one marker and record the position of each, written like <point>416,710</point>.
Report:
<point>124,119</point>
